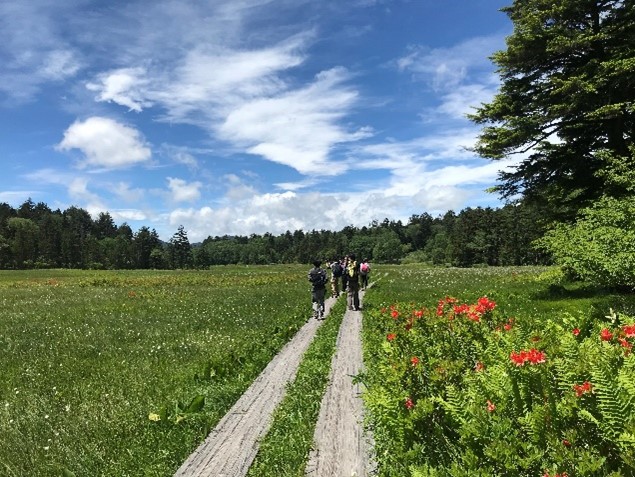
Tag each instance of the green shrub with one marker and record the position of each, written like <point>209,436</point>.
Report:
<point>600,246</point>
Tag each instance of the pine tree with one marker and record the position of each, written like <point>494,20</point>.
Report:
<point>566,99</point>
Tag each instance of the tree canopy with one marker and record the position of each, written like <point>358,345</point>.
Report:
<point>566,102</point>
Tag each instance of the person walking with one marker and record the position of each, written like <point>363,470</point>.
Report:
<point>317,277</point>
<point>336,276</point>
<point>364,271</point>
<point>352,272</point>
<point>344,263</point>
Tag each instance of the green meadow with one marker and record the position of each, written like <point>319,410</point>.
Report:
<point>87,357</point>
<point>124,373</point>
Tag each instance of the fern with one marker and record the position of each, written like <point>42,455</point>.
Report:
<point>454,405</point>
<point>614,404</point>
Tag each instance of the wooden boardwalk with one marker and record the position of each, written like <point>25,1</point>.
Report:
<point>340,449</point>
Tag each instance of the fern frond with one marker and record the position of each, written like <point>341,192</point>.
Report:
<point>614,404</point>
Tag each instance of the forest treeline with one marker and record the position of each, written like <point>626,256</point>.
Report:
<point>35,236</point>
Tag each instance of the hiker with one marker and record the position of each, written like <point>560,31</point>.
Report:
<point>352,272</point>
<point>364,271</point>
<point>344,263</point>
<point>336,276</point>
<point>317,277</point>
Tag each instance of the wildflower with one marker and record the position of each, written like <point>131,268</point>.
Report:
<point>479,366</point>
<point>625,343</point>
<point>606,335</point>
<point>517,358</point>
<point>584,388</point>
<point>533,356</point>
<point>536,357</point>
<point>418,313</point>
<point>575,331</point>
<point>566,443</point>
<point>409,404</point>
<point>629,330</point>
<point>491,407</point>
<point>414,360</point>
<point>154,417</point>
<point>507,327</point>
<point>391,336</point>
<point>394,314</point>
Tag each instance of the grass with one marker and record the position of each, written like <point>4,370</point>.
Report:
<point>87,356</point>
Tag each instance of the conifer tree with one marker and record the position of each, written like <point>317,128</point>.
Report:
<point>566,101</point>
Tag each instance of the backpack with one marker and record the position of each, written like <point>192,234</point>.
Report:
<point>364,268</point>
<point>337,270</point>
<point>318,278</point>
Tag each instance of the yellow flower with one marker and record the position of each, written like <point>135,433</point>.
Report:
<point>154,417</point>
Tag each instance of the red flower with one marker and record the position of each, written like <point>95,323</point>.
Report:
<point>566,443</point>
<point>629,330</point>
<point>606,335</point>
<point>479,366</point>
<point>418,313</point>
<point>409,404</point>
<point>584,388</point>
<point>391,336</point>
<point>517,358</point>
<point>625,343</point>
<point>533,356</point>
<point>414,360</point>
<point>491,407</point>
<point>575,331</point>
<point>536,357</point>
<point>394,314</point>
<point>507,327</point>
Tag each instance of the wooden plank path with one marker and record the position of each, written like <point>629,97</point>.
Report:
<point>231,446</point>
<point>341,448</point>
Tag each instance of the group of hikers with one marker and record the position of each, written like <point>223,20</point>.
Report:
<point>346,275</point>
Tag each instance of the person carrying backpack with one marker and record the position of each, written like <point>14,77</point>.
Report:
<point>352,272</point>
<point>336,276</point>
<point>364,271</point>
<point>317,277</point>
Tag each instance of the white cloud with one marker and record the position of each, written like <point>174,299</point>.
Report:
<point>278,212</point>
<point>445,68</point>
<point>181,191</point>
<point>236,189</point>
<point>124,86</point>
<point>59,64</point>
<point>128,194</point>
<point>127,214</point>
<point>240,96</point>
<point>105,143</point>
<point>299,128</point>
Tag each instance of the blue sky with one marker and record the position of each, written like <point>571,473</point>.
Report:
<point>247,116</point>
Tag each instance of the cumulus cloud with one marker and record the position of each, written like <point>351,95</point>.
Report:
<point>278,212</point>
<point>105,143</point>
<point>182,191</point>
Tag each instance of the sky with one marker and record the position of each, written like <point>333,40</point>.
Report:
<point>240,117</point>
